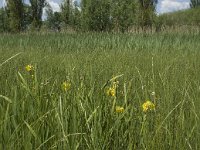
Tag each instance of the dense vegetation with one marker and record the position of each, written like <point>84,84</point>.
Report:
<point>184,17</point>
<point>86,91</point>
<point>89,15</point>
<point>96,86</point>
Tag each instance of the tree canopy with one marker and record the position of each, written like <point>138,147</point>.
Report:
<point>88,15</point>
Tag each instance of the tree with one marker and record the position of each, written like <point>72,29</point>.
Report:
<point>194,3</point>
<point>66,11</point>
<point>76,16</point>
<point>15,10</point>
<point>123,14</point>
<point>27,17</point>
<point>146,12</point>
<point>96,15</point>
<point>85,14</point>
<point>4,20</point>
<point>36,12</point>
<point>53,19</point>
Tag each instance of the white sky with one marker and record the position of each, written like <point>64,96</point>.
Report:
<point>172,5</point>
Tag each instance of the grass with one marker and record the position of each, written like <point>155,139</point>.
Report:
<point>36,113</point>
<point>183,17</point>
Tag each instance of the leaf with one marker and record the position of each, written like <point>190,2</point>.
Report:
<point>111,80</point>
<point>31,130</point>
<point>10,59</point>
<point>6,98</point>
<point>91,116</point>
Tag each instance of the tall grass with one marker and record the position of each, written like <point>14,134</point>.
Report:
<point>36,113</point>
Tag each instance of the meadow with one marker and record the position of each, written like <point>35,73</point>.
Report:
<point>89,90</point>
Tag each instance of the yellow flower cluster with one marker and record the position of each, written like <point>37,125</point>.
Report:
<point>66,86</point>
<point>148,105</point>
<point>29,68</point>
<point>119,109</point>
<point>112,90</point>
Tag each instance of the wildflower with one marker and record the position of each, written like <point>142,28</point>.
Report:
<point>29,68</point>
<point>111,92</point>
<point>66,86</point>
<point>119,109</point>
<point>148,105</point>
<point>112,89</point>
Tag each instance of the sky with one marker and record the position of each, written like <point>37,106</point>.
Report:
<point>163,6</point>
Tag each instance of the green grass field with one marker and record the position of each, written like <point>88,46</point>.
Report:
<point>37,112</point>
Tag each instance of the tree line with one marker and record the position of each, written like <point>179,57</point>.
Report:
<point>88,15</point>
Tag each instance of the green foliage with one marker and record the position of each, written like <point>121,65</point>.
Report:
<point>36,13</point>
<point>185,17</point>
<point>85,15</point>
<point>194,3</point>
<point>123,14</point>
<point>107,15</point>
<point>94,15</point>
<point>66,11</point>
<point>76,18</point>
<point>15,15</point>
<point>27,17</point>
<point>4,21</point>
<point>146,12</point>
<point>99,15</point>
<point>36,113</point>
<point>54,20</point>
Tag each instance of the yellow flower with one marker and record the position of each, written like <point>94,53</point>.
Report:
<point>111,92</point>
<point>29,68</point>
<point>66,86</point>
<point>119,109</point>
<point>148,105</point>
